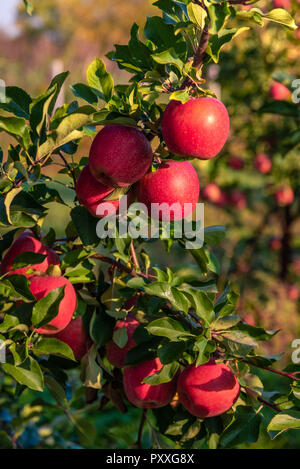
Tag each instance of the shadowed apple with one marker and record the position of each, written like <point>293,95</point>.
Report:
<point>75,337</point>
<point>144,395</point>
<point>115,354</point>
<point>26,242</point>
<point>207,390</point>
<point>263,163</point>
<point>40,287</point>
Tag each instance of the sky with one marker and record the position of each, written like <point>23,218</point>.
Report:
<point>7,15</point>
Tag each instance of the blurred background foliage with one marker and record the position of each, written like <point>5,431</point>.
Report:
<point>67,35</point>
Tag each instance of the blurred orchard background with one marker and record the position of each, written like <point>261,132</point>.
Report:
<point>261,252</point>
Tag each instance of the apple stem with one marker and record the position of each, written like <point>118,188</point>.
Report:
<point>278,372</point>
<point>68,166</point>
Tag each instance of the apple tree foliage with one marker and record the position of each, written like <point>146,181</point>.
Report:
<point>183,318</point>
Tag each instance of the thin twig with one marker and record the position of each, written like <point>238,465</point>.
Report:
<point>71,170</point>
<point>140,432</point>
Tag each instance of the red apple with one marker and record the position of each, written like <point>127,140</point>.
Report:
<point>119,155</point>
<point>174,182</point>
<point>293,292</point>
<point>143,395</point>
<point>207,390</point>
<point>238,199</point>
<point>284,196</point>
<point>198,128</point>
<point>235,162</point>
<point>75,337</point>
<point>91,192</point>
<point>279,92</point>
<point>275,243</point>
<point>116,355</point>
<point>212,193</point>
<point>285,4</point>
<point>262,163</point>
<point>26,242</point>
<point>40,287</point>
<point>249,319</point>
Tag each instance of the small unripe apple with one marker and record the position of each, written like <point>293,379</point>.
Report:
<point>174,182</point>
<point>285,4</point>
<point>143,395</point>
<point>284,196</point>
<point>26,242</point>
<point>275,243</point>
<point>235,162</point>
<point>279,92</point>
<point>115,354</point>
<point>238,199</point>
<point>40,287</point>
<point>207,390</point>
<point>198,128</point>
<point>119,156</point>
<point>262,163</point>
<point>293,292</point>
<point>75,337</point>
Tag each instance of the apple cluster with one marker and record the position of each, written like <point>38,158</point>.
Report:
<point>41,283</point>
<point>122,156</point>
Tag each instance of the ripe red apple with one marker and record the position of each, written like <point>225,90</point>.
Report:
<point>40,287</point>
<point>119,155</point>
<point>285,4</point>
<point>275,243</point>
<point>143,395</point>
<point>238,199</point>
<point>212,193</point>
<point>91,192</point>
<point>284,196</point>
<point>75,337</point>
<point>26,242</point>
<point>198,128</point>
<point>235,162</point>
<point>262,163</point>
<point>116,355</point>
<point>207,390</point>
<point>279,92</point>
<point>293,292</point>
<point>174,182</point>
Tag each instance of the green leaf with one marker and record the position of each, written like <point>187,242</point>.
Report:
<point>168,327</point>
<point>180,95</point>
<point>85,92</point>
<point>217,41</point>
<point>47,308</point>
<point>165,375</point>
<point>197,14</point>
<point>85,225</point>
<point>168,57</point>
<point>56,82</point>
<point>283,108</point>
<point>287,420</point>
<point>163,290</point>
<point>19,285</point>
<point>99,79</point>
<point>170,351</point>
<point>39,110</point>
<point>214,234</point>
<point>16,126</point>
<point>91,372</point>
<point>201,303</point>
<point>28,6</point>
<point>56,390</point>
<point>101,327</point>
<point>53,346</point>
<point>120,337</point>
<point>238,343</point>
<point>27,259</point>
<point>204,349</point>
<point>5,441</point>
<point>278,15</point>
<point>28,373</point>
<point>244,428</point>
